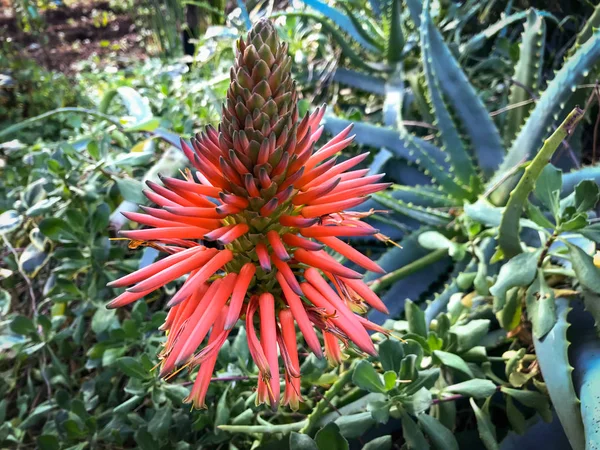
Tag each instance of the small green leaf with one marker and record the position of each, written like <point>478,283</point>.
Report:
<point>419,402</point>
<point>9,221</point>
<point>592,232</point>
<point>518,271</point>
<point>548,187</point>
<point>470,334</point>
<point>150,124</point>
<point>416,319</point>
<point>586,195</point>
<point>145,440</point>
<point>537,216</point>
<point>132,368</point>
<point>412,434</point>
<point>161,422</point>
<point>576,222</point>
<point>301,442</point>
<point>330,438</point>
<point>222,412</point>
<point>541,309</point>
<point>390,355</point>
<point>367,378</point>
<point>583,265</point>
<point>131,190</point>
<point>477,387</point>
<point>532,399</point>
<point>380,443</point>
<point>453,361</point>
<point>48,442</point>
<point>22,325</point>
<point>441,437</point>
<point>102,319</point>
<point>353,426</point>
<point>408,368</point>
<point>55,228</point>
<point>389,379</point>
<point>515,417</point>
<point>487,431</point>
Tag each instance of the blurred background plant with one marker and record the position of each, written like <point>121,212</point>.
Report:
<point>452,98</point>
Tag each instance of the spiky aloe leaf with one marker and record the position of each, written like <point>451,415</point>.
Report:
<point>583,353</point>
<point>413,286</point>
<point>422,195</point>
<point>341,40</point>
<point>358,80</point>
<point>428,157</point>
<point>417,86</point>
<point>440,302</point>
<point>587,31</point>
<point>553,358</point>
<point>395,41</point>
<point>415,7</point>
<point>477,41</point>
<point>572,179</point>
<point>378,137</point>
<point>460,160</point>
<point>508,234</point>
<point>425,215</point>
<point>342,21</point>
<point>478,125</point>
<point>371,38</point>
<point>547,109</point>
<point>394,96</point>
<point>528,73</point>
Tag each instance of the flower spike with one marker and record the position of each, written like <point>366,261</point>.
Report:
<point>252,228</point>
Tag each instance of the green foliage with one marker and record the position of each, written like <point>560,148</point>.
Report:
<point>484,357</point>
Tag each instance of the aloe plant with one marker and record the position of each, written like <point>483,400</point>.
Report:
<point>470,158</point>
<point>470,168</point>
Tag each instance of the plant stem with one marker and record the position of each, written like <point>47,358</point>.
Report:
<point>408,269</point>
<point>27,122</point>
<point>547,246</point>
<point>23,274</point>
<point>508,233</point>
<point>313,419</point>
<point>453,398</point>
<point>269,429</point>
<point>232,378</point>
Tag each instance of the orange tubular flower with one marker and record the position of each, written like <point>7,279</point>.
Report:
<point>268,205</point>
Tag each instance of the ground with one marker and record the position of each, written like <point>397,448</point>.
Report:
<point>80,31</point>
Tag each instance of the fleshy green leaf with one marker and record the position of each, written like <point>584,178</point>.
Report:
<point>518,271</point>
<point>477,387</point>
<point>441,437</point>
<point>585,270</point>
<point>380,443</point>
<point>540,306</point>
<point>330,438</point>
<point>132,368</point>
<point>412,434</point>
<point>487,431</point>
<point>301,442</point>
<point>390,355</point>
<point>367,378</point>
<point>471,333</point>
<point>416,319</point>
<point>548,187</point>
<point>453,361</point>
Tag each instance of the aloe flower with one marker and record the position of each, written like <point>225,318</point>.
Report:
<point>249,227</point>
